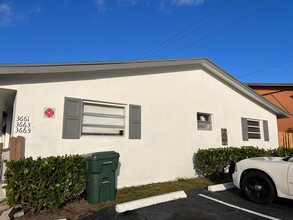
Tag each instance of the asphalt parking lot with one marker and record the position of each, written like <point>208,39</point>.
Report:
<point>205,205</point>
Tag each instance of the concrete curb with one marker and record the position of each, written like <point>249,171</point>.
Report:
<point>13,212</point>
<point>4,207</point>
<point>221,187</point>
<point>2,192</point>
<point>140,203</point>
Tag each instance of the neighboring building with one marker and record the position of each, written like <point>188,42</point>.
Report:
<point>282,96</point>
<point>156,114</point>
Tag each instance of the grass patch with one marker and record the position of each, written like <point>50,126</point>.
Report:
<point>144,191</point>
<point>81,207</point>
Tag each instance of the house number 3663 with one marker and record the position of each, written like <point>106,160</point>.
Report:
<point>23,125</point>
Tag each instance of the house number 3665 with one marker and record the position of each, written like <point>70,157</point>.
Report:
<point>23,125</point>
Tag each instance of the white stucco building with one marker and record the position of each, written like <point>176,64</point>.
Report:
<point>155,114</point>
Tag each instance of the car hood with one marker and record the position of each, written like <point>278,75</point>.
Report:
<point>266,159</point>
<point>253,162</point>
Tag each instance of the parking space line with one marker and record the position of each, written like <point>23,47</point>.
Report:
<point>242,209</point>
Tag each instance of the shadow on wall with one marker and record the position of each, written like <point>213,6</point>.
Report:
<point>117,174</point>
<point>195,164</point>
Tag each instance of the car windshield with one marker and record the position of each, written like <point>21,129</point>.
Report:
<point>288,159</point>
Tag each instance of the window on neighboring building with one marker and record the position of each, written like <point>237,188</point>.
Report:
<point>102,119</point>
<point>204,121</point>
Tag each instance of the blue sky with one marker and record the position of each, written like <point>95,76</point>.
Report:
<point>241,36</point>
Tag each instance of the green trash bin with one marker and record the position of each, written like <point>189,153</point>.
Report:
<point>101,178</point>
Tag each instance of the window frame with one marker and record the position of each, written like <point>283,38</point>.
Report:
<point>261,129</point>
<point>103,115</point>
<point>73,119</point>
<point>252,127</point>
<point>201,123</point>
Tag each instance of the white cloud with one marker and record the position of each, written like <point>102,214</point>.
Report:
<point>8,16</point>
<point>101,5</point>
<point>127,3</point>
<point>187,2</point>
<point>166,5</point>
<point>36,10</point>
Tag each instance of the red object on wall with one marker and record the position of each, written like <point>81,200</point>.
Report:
<point>49,112</point>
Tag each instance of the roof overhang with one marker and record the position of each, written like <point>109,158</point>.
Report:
<point>8,69</point>
<point>244,89</point>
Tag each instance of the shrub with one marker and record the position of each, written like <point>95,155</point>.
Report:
<point>45,182</point>
<point>212,161</point>
<point>280,152</point>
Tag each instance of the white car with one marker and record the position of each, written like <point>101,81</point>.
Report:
<point>262,179</point>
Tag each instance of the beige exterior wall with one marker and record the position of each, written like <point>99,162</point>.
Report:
<point>169,103</point>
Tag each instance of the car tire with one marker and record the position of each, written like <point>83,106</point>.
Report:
<point>258,187</point>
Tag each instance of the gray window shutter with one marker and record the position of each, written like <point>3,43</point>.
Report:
<point>72,118</point>
<point>266,130</point>
<point>134,122</point>
<point>244,129</point>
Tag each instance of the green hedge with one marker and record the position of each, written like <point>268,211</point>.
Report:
<point>45,182</point>
<point>212,161</point>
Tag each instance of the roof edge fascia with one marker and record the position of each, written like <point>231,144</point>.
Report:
<point>92,66</point>
<point>244,89</point>
<point>98,66</point>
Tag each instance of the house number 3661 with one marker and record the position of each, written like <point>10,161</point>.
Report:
<point>23,125</point>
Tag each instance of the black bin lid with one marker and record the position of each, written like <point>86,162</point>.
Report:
<point>103,155</point>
